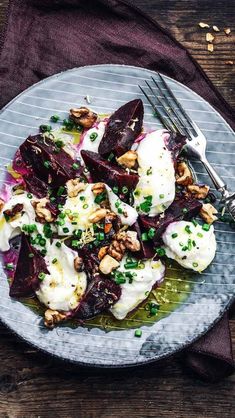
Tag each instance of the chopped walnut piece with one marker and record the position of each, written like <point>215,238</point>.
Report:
<point>75,186</point>
<point>203,25</point>
<point>209,37</point>
<point>215,28</point>
<point>83,116</point>
<point>227,31</point>
<point>199,192</point>
<point>43,214</point>
<point>210,47</point>
<point>128,159</point>
<point>51,318</point>
<point>2,203</point>
<point>78,264</point>
<point>183,174</point>
<point>98,215</point>
<point>129,239</point>
<point>102,252</point>
<point>98,188</point>
<point>117,249</point>
<point>14,212</point>
<point>208,212</point>
<point>108,264</point>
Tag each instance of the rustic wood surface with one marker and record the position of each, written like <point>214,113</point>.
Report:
<point>35,385</point>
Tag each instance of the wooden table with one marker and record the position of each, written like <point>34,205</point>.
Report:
<point>34,385</point>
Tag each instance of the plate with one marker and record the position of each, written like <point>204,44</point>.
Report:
<point>208,295</point>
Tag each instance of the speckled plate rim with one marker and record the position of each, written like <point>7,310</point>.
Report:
<point>148,360</point>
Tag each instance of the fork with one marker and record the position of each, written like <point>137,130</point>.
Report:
<point>174,118</point>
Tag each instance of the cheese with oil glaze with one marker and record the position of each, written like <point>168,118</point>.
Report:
<point>190,245</point>
<point>137,289</point>
<point>157,174</point>
<point>90,144</point>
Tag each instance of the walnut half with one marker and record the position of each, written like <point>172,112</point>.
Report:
<point>124,240</point>
<point>208,213</point>
<point>83,116</point>
<point>197,191</point>
<point>128,159</point>
<point>41,210</point>
<point>108,264</point>
<point>51,318</point>
<point>183,174</point>
<point>75,186</point>
<point>78,264</point>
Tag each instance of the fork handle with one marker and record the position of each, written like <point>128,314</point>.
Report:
<point>217,180</point>
<point>227,198</point>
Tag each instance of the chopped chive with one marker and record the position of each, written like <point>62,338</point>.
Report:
<point>42,242</point>
<point>144,236</point>
<point>175,235</point>
<point>54,260</point>
<point>149,171</point>
<point>124,189</point>
<point>100,197</point>
<point>68,125</point>
<point>52,199</point>
<point>65,230</point>
<point>138,333</point>
<point>110,157</point>
<point>190,244</point>
<point>195,223</point>
<point>31,255</point>
<point>47,164</point>
<point>184,210</point>
<point>75,243</point>
<point>41,276</point>
<point>120,280</point>
<point>115,189</point>
<point>117,203</point>
<point>45,128</point>
<point>200,235</point>
<point>132,265</point>
<point>74,223</point>
<point>59,143</point>
<point>188,230</point>
<point>29,195</point>
<point>62,215</point>
<point>185,248</point>
<point>9,266</point>
<point>43,252</point>
<point>120,210</point>
<point>60,192</point>
<point>58,244</point>
<point>67,211</point>
<point>85,206</point>
<point>151,233</point>
<point>161,252</point>
<point>78,233</point>
<point>141,265</point>
<point>195,264</point>
<point>206,227</point>
<point>75,166</point>
<point>55,118</point>
<point>161,196</point>
<point>153,309</point>
<point>100,236</point>
<point>61,222</point>
<point>93,136</point>
<point>60,206</point>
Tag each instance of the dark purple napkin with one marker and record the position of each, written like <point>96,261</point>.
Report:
<point>43,37</point>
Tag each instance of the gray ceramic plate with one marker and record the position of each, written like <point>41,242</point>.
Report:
<point>206,296</point>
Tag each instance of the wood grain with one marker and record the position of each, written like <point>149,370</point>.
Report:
<point>35,385</point>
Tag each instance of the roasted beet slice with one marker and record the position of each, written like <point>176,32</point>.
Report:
<point>100,295</point>
<point>146,247</point>
<point>103,170</point>
<point>50,164</point>
<point>122,128</point>
<point>175,144</point>
<point>36,186</point>
<point>181,208</point>
<point>26,280</point>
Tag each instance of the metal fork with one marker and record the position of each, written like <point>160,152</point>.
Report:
<point>174,118</point>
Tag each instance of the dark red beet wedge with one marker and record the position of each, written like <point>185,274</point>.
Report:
<point>101,294</point>
<point>122,128</point>
<point>50,164</point>
<point>103,170</point>
<point>36,186</point>
<point>26,280</point>
<point>180,209</point>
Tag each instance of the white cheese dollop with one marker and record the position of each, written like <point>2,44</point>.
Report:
<point>127,213</point>
<point>190,245</point>
<point>63,288</point>
<point>137,290</point>
<point>90,144</point>
<point>12,227</point>
<point>157,174</point>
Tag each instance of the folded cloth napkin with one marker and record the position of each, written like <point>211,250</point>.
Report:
<point>44,37</point>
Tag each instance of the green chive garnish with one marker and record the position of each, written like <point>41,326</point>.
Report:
<point>144,236</point>
<point>55,118</point>
<point>161,252</point>
<point>161,196</point>
<point>45,128</point>
<point>115,189</point>
<point>9,266</point>
<point>58,244</point>
<point>175,235</point>
<point>75,166</point>
<point>54,260</point>
<point>200,235</point>
<point>41,276</point>
<point>31,255</point>
<point>59,143</point>
<point>184,210</point>
<point>124,189</point>
<point>195,264</point>
<point>60,192</point>
<point>85,206</point>
<point>62,215</point>
<point>138,333</point>
<point>151,233</point>
<point>132,265</point>
<point>93,136</point>
<point>42,242</point>
<point>65,230</point>
<point>206,227</point>
<point>29,195</point>
<point>46,164</point>
<point>188,230</point>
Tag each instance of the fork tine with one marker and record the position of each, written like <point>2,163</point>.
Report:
<point>184,130</point>
<point>172,124</point>
<point>186,116</point>
<point>162,118</point>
